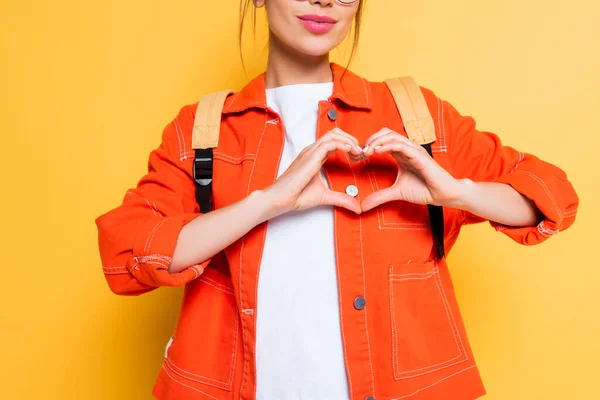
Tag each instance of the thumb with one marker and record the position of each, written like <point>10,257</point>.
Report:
<point>379,197</point>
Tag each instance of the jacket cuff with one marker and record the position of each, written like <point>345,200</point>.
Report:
<point>153,249</point>
<point>534,188</point>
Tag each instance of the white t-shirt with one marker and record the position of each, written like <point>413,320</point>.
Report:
<point>299,352</point>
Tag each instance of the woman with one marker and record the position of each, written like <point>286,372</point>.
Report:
<point>352,300</point>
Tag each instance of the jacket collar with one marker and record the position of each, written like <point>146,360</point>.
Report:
<point>349,88</point>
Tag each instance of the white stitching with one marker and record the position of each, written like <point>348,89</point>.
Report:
<point>188,386</point>
<point>115,270</point>
<point>151,206</point>
<point>235,96</point>
<point>521,158</point>
<point>185,149</point>
<point>245,347</point>
<point>235,350</point>
<point>347,364</point>
<point>151,235</point>
<point>154,211</point>
<point>404,226</point>
<point>453,326</point>
<point>442,146</point>
<point>256,157</point>
<point>554,231</point>
<point>220,285</point>
<point>180,138</point>
<point>445,143</point>
<point>233,160</point>
<point>181,151</point>
<point>394,326</point>
<point>411,273</point>
<point>543,184</point>
<point>195,377</point>
<point>362,260</point>
<point>157,257</point>
<point>366,91</point>
<point>435,383</point>
<point>198,270</point>
<point>545,231</point>
<point>209,381</point>
<point>240,295</point>
<point>348,101</point>
<point>216,285</point>
<point>412,278</point>
<point>410,374</point>
<point>155,263</point>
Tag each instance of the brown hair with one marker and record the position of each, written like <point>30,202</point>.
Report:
<point>245,4</point>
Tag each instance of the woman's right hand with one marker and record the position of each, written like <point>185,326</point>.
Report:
<point>301,187</point>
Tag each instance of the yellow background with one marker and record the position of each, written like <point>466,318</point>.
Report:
<point>87,86</point>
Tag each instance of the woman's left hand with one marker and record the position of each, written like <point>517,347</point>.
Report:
<point>420,179</point>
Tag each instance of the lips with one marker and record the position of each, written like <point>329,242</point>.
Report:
<point>318,24</point>
<point>318,18</point>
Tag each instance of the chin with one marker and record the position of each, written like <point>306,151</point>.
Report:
<point>315,47</point>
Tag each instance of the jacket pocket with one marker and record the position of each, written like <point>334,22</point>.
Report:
<point>205,344</point>
<point>425,335</point>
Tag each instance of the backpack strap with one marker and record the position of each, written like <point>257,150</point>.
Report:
<point>205,137</point>
<point>420,128</point>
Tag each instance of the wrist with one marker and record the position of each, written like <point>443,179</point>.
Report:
<point>265,206</point>
<point>465,193</point>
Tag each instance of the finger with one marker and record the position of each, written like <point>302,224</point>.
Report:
<point>340,134</point>
<point>341,200</point>
<point>353,148</point>
<point>328,147</point>
<point>384,132</point>
<point>379,133</point>
<point>356,158</point>
<point>387,138</point>
<point>380,197</point>
<point>312,158</point>
<point>403,149</point>
<point>339,131</point>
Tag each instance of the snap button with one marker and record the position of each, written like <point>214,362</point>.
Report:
<point>352,190</point>
<point>360,303</point>
<point>332,114</point>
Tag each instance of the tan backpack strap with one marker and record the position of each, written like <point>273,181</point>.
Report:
<point>413,109</point>
<point>207,122</point>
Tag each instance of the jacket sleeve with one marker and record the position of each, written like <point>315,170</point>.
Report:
<point>481,157</point>
<point>137,239</point>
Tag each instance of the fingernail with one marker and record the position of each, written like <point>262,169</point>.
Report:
<point>365,149</point>
<point>377,147</point>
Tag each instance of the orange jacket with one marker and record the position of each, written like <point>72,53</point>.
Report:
<point>409,341</point>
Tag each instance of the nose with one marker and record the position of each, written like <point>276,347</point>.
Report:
<point>322,3</point>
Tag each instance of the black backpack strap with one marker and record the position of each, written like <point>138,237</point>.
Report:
<point>205,137</point>
<point>436,221</point>
<point>203,173</point>
<point>420,128</point>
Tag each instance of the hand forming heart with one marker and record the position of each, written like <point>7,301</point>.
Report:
<point>420,179</point>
